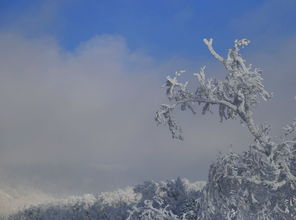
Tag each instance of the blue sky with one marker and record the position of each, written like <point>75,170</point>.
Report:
<point>162,28</point>
<point>81,81</point>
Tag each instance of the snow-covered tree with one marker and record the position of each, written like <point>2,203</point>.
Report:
<point>267,169</point>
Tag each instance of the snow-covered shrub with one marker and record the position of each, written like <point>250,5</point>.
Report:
<point>241,187</point>
<point>175,198</point>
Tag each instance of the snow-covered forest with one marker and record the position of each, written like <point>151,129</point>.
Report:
<point>259,183</point>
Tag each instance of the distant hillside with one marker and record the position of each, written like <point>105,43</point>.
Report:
<point>150,200</point>
<point>13,199</point>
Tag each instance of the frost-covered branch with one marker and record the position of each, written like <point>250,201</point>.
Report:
<point>209,44</point>
<point>234,96</point>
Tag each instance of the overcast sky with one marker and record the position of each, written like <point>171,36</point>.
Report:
<point>80,82</point>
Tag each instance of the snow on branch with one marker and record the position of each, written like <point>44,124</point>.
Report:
<point>234,96</point>
<point>290,128</point>
<point>211,49</point>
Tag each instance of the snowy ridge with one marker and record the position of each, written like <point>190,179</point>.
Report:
<point>13,199</point>
<point>172,199</point>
